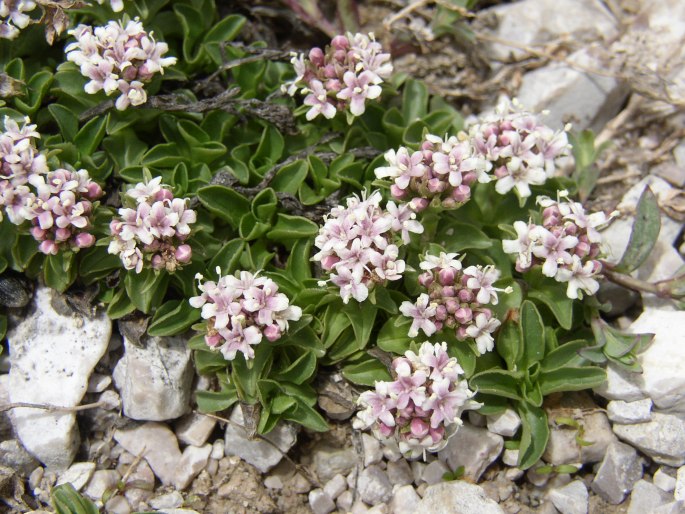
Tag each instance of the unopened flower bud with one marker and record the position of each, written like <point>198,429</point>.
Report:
<point>48,247</point>
<point>463,315</point>
<point>461,193</point>
<point>419,204</point>
<point>419,428</point>
<point>157,262</point>
<point>426,279</point>
<point>446,276</point>
<point>272,333</point>
<point>316,56</point>
<point>466,295</point>
<point>183,253</point>
<point>84,240</point>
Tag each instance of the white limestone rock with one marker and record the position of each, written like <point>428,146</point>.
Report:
<point>320,502</point>
<point>571,498</point>
<point>261,454</point>
<point>399,472</point>
<point>621,385</point>
<point>328,462</point>
<point>679,493</point>
<point>103,480</point>
<point>647,497</point>
<point>457,497</point>
<point>662,438</point>
<point>170,500</point>
<point>627,413</point>
<point>78,474</point>
<point>193,460</point>
<point>53,351</point>
<point>433,472</point>
<point>372,449</point>
<point>335,486</point>
<point>404,500</point>
<point>617,473</point>
<point>373,485</point>
<point>155,379</point>
<point>157,445</point>
<point>563,448</point>
<point>664,481</point>
<point>195,429</point>
<point>14,455</point>
<point>472,447</point>
<point>505,424</point>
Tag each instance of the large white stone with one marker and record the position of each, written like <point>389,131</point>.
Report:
<point>404,500</point>
<point>373,485</point>
<point>78,474</point>
<point>53,351</point>
<point>193,460</point>
<point>505,424</point>
<point>155,379</point>
<point>457,497</point>
<point>263,455</point>
<point>156,444</point>
<point>571,498</point>
<point>617,473</point>
<point>663,438</point>
<point>647,497</point>
<point>472,447</point>
<point>195,429</point>
<point>629,412</point>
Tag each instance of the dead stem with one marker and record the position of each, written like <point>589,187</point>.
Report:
<point>50,408</point>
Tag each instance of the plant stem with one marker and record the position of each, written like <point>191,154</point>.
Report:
<point>661,289</point>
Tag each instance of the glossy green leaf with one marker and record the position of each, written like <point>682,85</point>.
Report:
<point>146,289</point>
<point>59,272</point>
<point>644,234</point>
<point>455,236</point>
<point>553,295</point>
<point>299,371</point>
<point>307,416</point>
<point>66,500</point>
<point>215,401</point>
<point>90,136</point>
<point>120,306</point>
<point>566,355</point>
<point>225,203</point>
<point>209,362</point>
<point>173,317</point>
<point>66,121</point>
<point>532,334</point>
<point>292,227</point>
<point>571,379</point>
<point>228,258</point>
<point>299,266</point>
<point>534,434</point>
<point>497,382</point>
<point>414,100</point>
<point>362,317</point>
<point>509,345</point>
<point>366,373</point>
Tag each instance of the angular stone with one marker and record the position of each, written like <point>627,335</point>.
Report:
<point>433,473</point>
<point>679,493</point>
<point>345,501</point>
<point>193,460</point>
<point>570,499</point>
<point>457,497</point>
<point>563,448</point>
<point>14,455</point>
<point>170,500</point>
<point>261,454</point>
<point>404,500</point>
<point>103,480</point>
<point>510,457</point>
<point>646,497</point>
<point>621,385</point>
<point>78,474</point>
<point>399,472</point>
<point>372,449</point>
<point>662,438</point>
<point>328,462</point>
<point>155,379</point>
<point>505,424</point>
<point>676,507</point>
<point>664,481</point>
<point>157,445</point>
<point>472,447</point>
<point>627,413</point>
<point>617,473</point>
<point>373,486</point>
<point>117,505</point>
<point>320,502</point>
<point>335,486</point>
<point>53,351</point>
<point>195,429</point>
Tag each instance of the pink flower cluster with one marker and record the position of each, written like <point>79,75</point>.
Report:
<point>359,244</point>
<point>241,310</point>
<point>566,244</point>
<point>522,149</point>
<point>118,58</point>
<point>153,230</point>
<point>13,17</point>
<point>440,173</point>
<point>422,407</point>
<point>347,73</point>
<point>61,210</point>
<point>455,299</point>
<point>20,163</point>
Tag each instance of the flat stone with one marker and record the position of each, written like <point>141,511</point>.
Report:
<point>158,446</point>
<point>335,486</point>
<point>505,424</point>
<point>261,454</point>
<point>78,475</point>
<point>472,447</point>
<point>399,472</point>
<point>193,460</point>
<point>273,482</point>
<point>676,507</point>
<point>511,457</point>
<point>328,462</point>
<point>434,472</point>
<point>646,497</point>
<point>53,351</point>
<point>345,501</point>
<point>617,473</point>
<point>457,497</point>
<point>14,455</point>
<point>117,505</point>
<point>195,429</point>
<point>98,382</point>
<point>627,413</point>
<point>404,500</point>
<point>320,502</point>
<point>372,449</point>
<point>103,480</point>
<point>170,500</point>
<point>570,499</point>
<point>417,469</point>
<point>155,379</point>
<point>662,438</point>
<point>563,448</point>
<point>373,486</point>
<point>664,481</point>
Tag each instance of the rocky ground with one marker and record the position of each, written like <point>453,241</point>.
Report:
<point>136,444</point>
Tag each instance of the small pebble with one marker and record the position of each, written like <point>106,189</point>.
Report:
<point>320,502</point>
<point>344,501</point>
<point>335,486</point>
<point>664,481</point>
<point>167,501</point>
<point>372,450</point>
<point>272,482</point>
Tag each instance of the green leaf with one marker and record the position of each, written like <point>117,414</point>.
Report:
<point>534,434</point>
<point>58,271</point>
<point>298,265</point>
<point>292,227</point>
<point>566,355</point>
<point>66,121</point>
<point>455,236</point>
<point>644,235</point>
<point>366,373</point>
<point>146,289</point>
<point>215,401</point>
<point>289,178</point>
<point>173,317</point>
<point>228,258</point>
<point>497,382</point>
<point>120,306</point>
<point>96,263</point>
<point>65,500</point>
<point>299,371</point>
<point>510,345</point>
<point>264,205</point>
<point>414,100</point>
<point>225,203</point>
<point>554,296</point>
<point>362,317</point>
<point>209,362</point>
<point>307,416</point>
<point>532,334</point>
<point>89,137</point>
<point>571,379</point>
<point>23,250</point>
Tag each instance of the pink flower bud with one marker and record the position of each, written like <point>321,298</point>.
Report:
<point>419,204</point>
<point>163,194</point>
<point>501,172</point>
<point>468,178</point>
<point>441,313</point>
<point>582,249</point>
<point>94,191</point>
<point>449,292</point>
<point>419,428</point>
<point>449,203</point>
<point>446,276</point>
<point>452,306</point>
<point>461,193</point>
<point>340,42</point>
<point>437,434</point>
<point>62,234</point>
<point>465,295</point>
<point>157,262</point>
<point>84,240</point>
<point>385,430</point>
<point>571,229</point>
<point>38,233</point>
<point>333,85</point>
<point>316,56</point>
<point>213,340</point>
<point>461,333</point>
<point>272,333</point>
<point>435,185</point>
<point>329,261</point>
<point>48,247</point>
<point>397,192</point>
<point>330,72</point>
<point>426,279</point>
<point>184,253</point>
<point>463,315</point>
<point>427,155</point>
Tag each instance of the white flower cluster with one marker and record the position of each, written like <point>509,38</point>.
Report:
<point>566,244</point>
<point>13,17</point>
<point>118,58</point>
<point>359,244</point>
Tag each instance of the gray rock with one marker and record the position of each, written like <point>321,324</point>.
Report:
<point>399,472</point>
<point>373,486</point>
<point>103,480</point>
<point>676,507</point>
<point>329,462</point>
<point>193,460</point>
<point>417,469</point>
<point>434,472</point>
<point>117,505</point>
<point>472,447</point>
<point>5,422</point>
<point>53,351</point>
<point>646,497</point>
<point>662,438</point>
<point>570,499</point>
<point>345,501</point>
<point>621,385</point>
<point>98,382</point>
<point>664,481</point>
<point>261,454</point>
<point>320,502</point>
<point>195,429</point>
<point>627,413</point>
<point>510,457</point>
<point>157,445</point>
<point>372,449</point>
<point>505,424</point>
<point>404,500</point>
<point>457,497</point>
<point>170,500</point>
<point>335,486</point>
<point>155,379</point>
<point>620,298</point>
<point>563,448</point>
<point>78,474</point>
<point>617,473</point>
<point>679,493</point>
<point>14,455</point>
